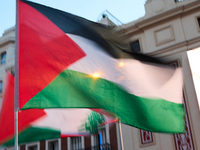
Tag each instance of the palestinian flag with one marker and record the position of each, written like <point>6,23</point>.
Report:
<point>66,61</point>
<point>38,124</point>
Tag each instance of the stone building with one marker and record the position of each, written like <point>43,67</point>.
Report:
<point>168,30</point>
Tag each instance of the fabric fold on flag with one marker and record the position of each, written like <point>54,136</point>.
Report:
<point>66,61</point>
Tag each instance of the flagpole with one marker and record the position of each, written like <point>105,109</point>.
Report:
<point>16,79</point>
<point>120,130</point>
<point>120,138</point>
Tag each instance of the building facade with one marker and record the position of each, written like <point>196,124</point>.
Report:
<point>168,30</point>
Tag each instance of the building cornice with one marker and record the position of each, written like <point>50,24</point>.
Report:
<point>176,48</point>
<point>6,40</point>
<point>139,26</point>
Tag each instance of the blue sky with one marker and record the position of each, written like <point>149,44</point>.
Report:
<point>124,10</point>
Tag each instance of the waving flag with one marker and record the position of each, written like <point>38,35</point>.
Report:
<point>66,61</point>
<point>39,124</point>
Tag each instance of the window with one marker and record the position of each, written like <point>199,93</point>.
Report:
<point>3,58</point>
<point>76,143</point>
<point>135,46</point>
<point>96,141</point>
<point>33,146</point>
<point>103,139</point>
<point>198,21</point>
<point>179,0</point>
<point>1,86</point>
<point>53,145</point>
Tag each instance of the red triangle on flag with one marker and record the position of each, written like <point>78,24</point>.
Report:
<point>44,52</point>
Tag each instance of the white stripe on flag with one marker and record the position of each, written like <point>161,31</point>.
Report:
<point>137,78</point>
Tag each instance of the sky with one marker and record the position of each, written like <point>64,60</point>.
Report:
<point>124,10</point>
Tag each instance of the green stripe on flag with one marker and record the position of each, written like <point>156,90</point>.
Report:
<point>73,89</point>
<point>33,134</point>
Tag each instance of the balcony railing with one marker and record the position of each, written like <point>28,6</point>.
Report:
<point>98,147</point>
